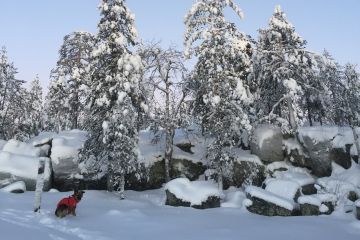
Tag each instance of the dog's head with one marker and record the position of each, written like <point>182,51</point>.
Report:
<point>78,194</point>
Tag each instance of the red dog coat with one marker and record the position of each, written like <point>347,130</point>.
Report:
<point>69,202</point>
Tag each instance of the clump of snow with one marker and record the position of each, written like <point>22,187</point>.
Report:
<point>264,132</point>
<point>284,188</point>
<point>234,198</point>
<point>194,192</point>
<point>270,197</point>
<point>20,185</point>
<point>357,203</point>
<point>292,144</point>
<point>20,148</point>
<point>247,203</point>
<point>317,199</point>
<point>323,208</point>
<point>53,190</point>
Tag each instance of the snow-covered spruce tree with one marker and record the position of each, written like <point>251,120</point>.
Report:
<point>165,74</point>
<point>221,95</point>
<point>331,74</point>
<point>352,99</point>
<point>11,98</point>
<point>282,70</point>
<point>72,75</point>
<point>35,107</point>
<point>114,102</point>
<point>56,103</point>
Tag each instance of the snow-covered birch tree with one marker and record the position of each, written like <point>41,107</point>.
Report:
<point>165,75</point>
<point>221,96</point>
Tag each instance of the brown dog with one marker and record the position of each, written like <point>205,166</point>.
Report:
<point>67,205</point>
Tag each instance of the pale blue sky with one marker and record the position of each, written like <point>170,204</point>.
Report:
<point>33,30</point>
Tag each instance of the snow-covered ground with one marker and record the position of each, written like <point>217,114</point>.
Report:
<point>143,215</point>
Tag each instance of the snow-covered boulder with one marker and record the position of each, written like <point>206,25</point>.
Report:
<point>285,188</point>
<point>341,183</point>
<point>266,143</point>
<point>357,207</point>
<point>16,187</point>
<point>246,169</point>
<point>324,145</point>
<point>317,204</point>
<point>266,203</point>
<point>196,194</point>
<point>189,158</point>
<point>21,148</point>
<point>65,146</point>
<point>15,167</point>
<point>287,172</point>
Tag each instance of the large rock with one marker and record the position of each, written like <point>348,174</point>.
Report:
<point>153,176</point>
<point>357,207</point>
<point>267,144</point>
<point>266,203</point>
<point>307,209</point>
<point>248,173</point>
<point>16,187</point>
<point>172,200</point>
<point>317,204</point>
<point>324,145</point>
<point>16,167</point>
<point>247,169</point>
<point>196,194</point>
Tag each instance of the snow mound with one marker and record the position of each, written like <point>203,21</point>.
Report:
<point>20,185</point>
<point>357,203</point>
<point>194,192</point>
<point>270,197</point>
<point>295,174</point>
<point>342,181</point>
<point>339,136</point>
<point>284,188</point>
<point>234,199</point>
<point>21,148</point>
<point>317,199</point>
<point>241,155</point>
<point>22,166</point>
<point>66,145</point>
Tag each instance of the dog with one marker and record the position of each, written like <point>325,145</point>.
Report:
<point>67,206</point>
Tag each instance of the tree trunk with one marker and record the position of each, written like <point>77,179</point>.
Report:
<point>110,179</point>
<point>292,115</point>
<point>220,178</point>
<point>122,186</point>
<point>39,184</point>
<point>169,138</point>
<point>356,143</point>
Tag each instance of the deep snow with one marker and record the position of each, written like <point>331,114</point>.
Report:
<point>143,216</point>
